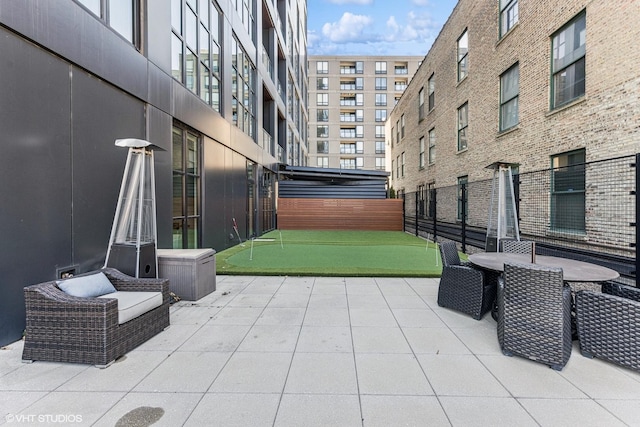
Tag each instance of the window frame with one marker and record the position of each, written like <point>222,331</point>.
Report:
<point>562,202</point>
<point>463,56</point>
<point>570,62</point>
<point>463,126</point>
<point>509,101</point>
<point>509,16</point>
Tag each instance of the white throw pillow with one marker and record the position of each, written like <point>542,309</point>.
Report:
<point>90,286</point>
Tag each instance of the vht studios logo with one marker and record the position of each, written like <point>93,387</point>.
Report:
<point>44,418</point>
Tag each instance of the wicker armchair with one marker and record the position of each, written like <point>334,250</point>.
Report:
<point>534,314</point>
<point>462,287</point>
<point>609,324</point>
<point>65,328</point>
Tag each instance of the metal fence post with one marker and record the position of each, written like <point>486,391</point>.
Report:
<point>417,210</point>
<point>435,214</point>
<point>463,216</point>
<point>635,223</point>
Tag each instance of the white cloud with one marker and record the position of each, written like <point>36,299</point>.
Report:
<point>420,2</point>
<point>350,28</point>
<point>362,2</point>
<point>419,27</point>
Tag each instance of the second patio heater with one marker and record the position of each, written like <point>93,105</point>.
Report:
<point>133,240</point>
<point>503,217</point>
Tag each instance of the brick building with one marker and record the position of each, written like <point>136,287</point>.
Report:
<point>349,100</point>
<point>536,83</point>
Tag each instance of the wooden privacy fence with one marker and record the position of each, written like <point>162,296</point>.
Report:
<point>340,214</point>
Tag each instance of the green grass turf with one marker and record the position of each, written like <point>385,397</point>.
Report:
<point>333,253</point>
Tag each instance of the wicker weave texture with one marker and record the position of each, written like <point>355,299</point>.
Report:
<point>64,328</point>
<point>534,314</point>
<point>609,324</point>
<point>517,246</point>
<point>463,288</point>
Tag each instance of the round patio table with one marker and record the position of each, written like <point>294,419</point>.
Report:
<point>572,270</point>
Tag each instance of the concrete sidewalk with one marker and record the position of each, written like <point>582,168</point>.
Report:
<point>304,351</point>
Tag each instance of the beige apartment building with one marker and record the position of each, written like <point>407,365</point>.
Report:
<point>538,83</point>
<point>350,98</point>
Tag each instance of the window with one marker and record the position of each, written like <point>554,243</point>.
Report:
<point>381,67</point>
<point>463,198</point>
<point>381,115</point>
<point>195,49</point>
<point>421,157</point>
<point>243,98</point>
<point>420,200</point>
<point>421,104</point>
<point>402,159</point>
<point>359,162</point>
<point>323,131</point>
<point>401,69</point>
<point>359,83</point>
<point>186,161</point>
<point>400,85</point>
<point>359,67</point>
<point>323,162</point>
<point>380,163</point>
<point>568,192</point>
<point>432,91</point>
<point>398,131</point>
<point>359,131</point>
<point>463,51</point>
<point>432,146</point>
<point>397,166</point>
<point>380,147</point>
<point>568,65</point>
<point>381,99</point>
<point>323,83</point>
<point>359,115</point>
<point>379,131</point>
<point>245,11</point>
<point>381,83</point>
<point>121,16</point>
<point>402,126</point>
<point>348,148</point>
<point>359,147</point>
<point>463,124</point>
<point>323,115</point>
<point>322,67</point>
<point>508,15</point>
<point>509,93</point>
<point>359,99</point>
<point>322,99</point>
<point>347,163</point>
<point>322,147</point>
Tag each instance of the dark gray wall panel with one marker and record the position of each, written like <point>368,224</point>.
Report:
<point>101,114</point>
<point>160,88</point>
<point>74,33</point>
<point>215,228</point>
<point>239,192</point>
<point>159,126</point>
<point>35,172</point>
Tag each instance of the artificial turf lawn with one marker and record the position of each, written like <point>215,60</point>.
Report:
<point>332,253</point>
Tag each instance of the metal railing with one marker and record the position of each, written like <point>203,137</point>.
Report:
<point>586,211</point>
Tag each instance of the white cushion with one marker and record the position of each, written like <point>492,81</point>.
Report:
<point>134,304</point>
<point>90,286</point>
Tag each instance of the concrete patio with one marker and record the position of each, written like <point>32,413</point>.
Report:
<point>303,351</point>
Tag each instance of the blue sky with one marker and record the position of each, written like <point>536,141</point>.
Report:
<point>375,27</point>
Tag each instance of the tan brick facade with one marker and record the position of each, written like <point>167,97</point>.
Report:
<point>605,121</point>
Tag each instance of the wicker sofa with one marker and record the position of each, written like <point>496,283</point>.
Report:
<point>66,328</point>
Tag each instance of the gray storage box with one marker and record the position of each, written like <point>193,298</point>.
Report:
<point>191,272</point>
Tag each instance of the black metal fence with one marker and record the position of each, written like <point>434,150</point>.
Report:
<point>584,211</point>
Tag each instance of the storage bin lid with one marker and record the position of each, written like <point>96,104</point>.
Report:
<point>185,253</point>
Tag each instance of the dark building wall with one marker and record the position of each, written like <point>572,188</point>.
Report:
<point>69,88</point>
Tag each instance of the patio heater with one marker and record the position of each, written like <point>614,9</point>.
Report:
<point>133,240</point>
<point>503,218</point>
